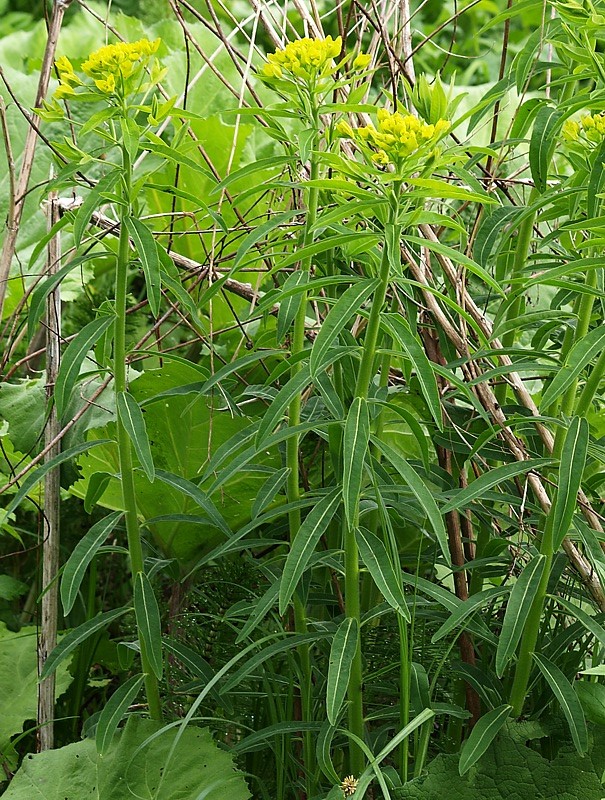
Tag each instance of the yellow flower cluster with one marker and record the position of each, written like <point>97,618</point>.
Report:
<point>592,126</point>
<point>303,58</point>
<point>109,66</point>
<point>397,136</point>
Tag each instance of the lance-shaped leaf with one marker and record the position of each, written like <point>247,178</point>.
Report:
<point>82,555</point>
<point>342,653</point>
<point>74,638</point>
<point>580,355</point>
<point>304,544</point>
<point>288,308</point>
<point>280,402</point>
<point>421,492</point>
<point>482,735</point>
<point>400,330</point>
<point>354,446</point>
<point>132,419</point>
<point>150,261</point>
<point>348,304</point>
<point>148,622</point>
<point>375,557</point>
<point>573,458</point>
<point>73,358</point>
<point>517,611</point>
<point>568,700</point>
<point>491,478</point>
<point>542,144</point>
<point>113,712</point>
<point>466,608</point>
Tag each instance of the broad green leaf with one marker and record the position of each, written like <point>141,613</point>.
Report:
<point>354,447</point>
<point>138,763</point>
<point>580,355</point>
<point>466,608</point>
<point>113,712</point>
<point>19,681</point>
<point>517,611</point>
<point>148,621</point>
<point>304,544</point>
<point>592,699</point>
<point>150,261</point>
<point>542,144</point>
<point>81,556</point>
<point>280,402</point>
<point>132,419</point>
<point>491,478</point>
<point>568,700</point>
<point>482,735</point>
<point>421,492</point>
<point>73,357</point>
<point>342,653</point>
<point>375,557</point>
<point>401,332</point>
<point>341,312</point>
<point>78,635</point>
<point>573,458</point>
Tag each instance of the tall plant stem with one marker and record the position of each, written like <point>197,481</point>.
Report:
<point>293,481</point>
<point>516,307</point>
<point>135,547</point>
<point>352,589</point>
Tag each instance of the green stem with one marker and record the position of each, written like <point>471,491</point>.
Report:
<point>135,547</point>
<point>591,386</point>
<point>293,481</point>
<point>516,307</point>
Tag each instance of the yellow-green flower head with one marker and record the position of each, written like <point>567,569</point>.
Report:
<point>304,58</point>
<point>594,127</point>
<point>397,136</point>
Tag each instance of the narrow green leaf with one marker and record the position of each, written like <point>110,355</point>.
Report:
<point>92,201</point>
<point>580,355</point>
<point>132,419</point>
<point>348,304</point>
<point>198,667</point>
<point>113,712</point>
<point>421,492</point>
<point>374,555</point>
<point>324,752</point>
<point>354,447</point>
<point>266,653</point>
<point>401,332</point>
<point>288,307</point>
<point>257,234</point>
<point>191,490</point>
<point>542,144</point>
<point>82,555</point>
<point>304,544</point>
<point>97,484</point>
<point>342,653</point>
<point>73,358</point>
<point>261,608</point>
<point>482,735</point>
<point>150,261</point>
<point>573,458</point>
<point>466,608</point>
<point>568,700</point>
<point>491,478</point>
<point>588,621</point>
<point>37,304</point>
<point>80,634</point>
<point>274,413</point>
<point>267,492</point>
<point>36,475</point>
<point>148,621</point>
<point>517,611</point>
